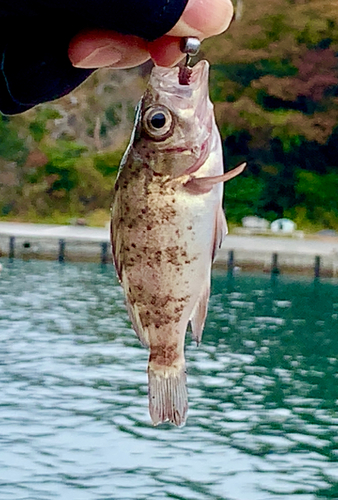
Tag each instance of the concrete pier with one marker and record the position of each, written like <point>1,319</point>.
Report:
<point>62,243</point>
<point>314,256</point>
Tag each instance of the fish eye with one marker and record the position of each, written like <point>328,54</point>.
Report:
<point>157,121</point>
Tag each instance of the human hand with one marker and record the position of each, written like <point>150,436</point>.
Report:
<point>103,48</point>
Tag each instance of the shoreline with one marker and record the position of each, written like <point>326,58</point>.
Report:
<point>276,254</point>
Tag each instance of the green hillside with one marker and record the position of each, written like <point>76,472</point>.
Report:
<point>274,82</point>
<point>275,87</point>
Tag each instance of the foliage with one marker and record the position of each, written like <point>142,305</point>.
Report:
<point>108,162</point>
<point>317,195</point>
<point>242,197</point>
<point>38,126</point>
<point>275,87</point>
<point>12,147</point>
<point>69,182</point>
<point>274,83</point>
<point>59,161</point>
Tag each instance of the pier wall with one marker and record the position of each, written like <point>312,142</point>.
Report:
<point>318,257</point>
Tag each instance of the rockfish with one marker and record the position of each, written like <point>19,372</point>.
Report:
<point>167,223</point>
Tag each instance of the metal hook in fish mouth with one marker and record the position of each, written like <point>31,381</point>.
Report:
<point>190,46</point>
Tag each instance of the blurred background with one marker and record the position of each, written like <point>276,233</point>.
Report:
<point>274,83</point>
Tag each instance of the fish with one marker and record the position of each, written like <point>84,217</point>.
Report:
<point>167,223</point>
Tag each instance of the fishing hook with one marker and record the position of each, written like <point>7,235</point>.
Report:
<point>190,46</point>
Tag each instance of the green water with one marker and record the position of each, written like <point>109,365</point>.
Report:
<point>263,392</point>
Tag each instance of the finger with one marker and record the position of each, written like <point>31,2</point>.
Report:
<point>204,18</point>
<point>102,48</point>
<point>201,18</point>
<point>166,51</point>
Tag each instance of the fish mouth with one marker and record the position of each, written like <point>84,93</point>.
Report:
<point>199,74</point>
<point>167,79</point>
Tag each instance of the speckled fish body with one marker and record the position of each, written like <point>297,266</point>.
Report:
<point>167,222</point>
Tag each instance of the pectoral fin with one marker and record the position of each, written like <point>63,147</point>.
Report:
<point>202,185</point>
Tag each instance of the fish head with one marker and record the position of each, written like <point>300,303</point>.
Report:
<point>174,123</point>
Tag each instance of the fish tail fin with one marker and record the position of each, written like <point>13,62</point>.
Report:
<point>168,398</point>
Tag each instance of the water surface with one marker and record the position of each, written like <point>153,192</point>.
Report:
<point>74,424</point>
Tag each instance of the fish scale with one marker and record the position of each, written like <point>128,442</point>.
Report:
<point>167,223</point>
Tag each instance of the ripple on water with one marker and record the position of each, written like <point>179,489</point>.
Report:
<point>263,392</point>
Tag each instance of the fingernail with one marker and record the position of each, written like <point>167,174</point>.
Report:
<point>99,58</point>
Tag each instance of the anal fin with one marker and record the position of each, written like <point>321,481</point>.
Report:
<point>199,314</point>
<point>221,230</point>
<point>200,310</point>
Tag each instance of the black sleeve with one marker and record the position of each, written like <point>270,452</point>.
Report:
<point>35,34</point>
